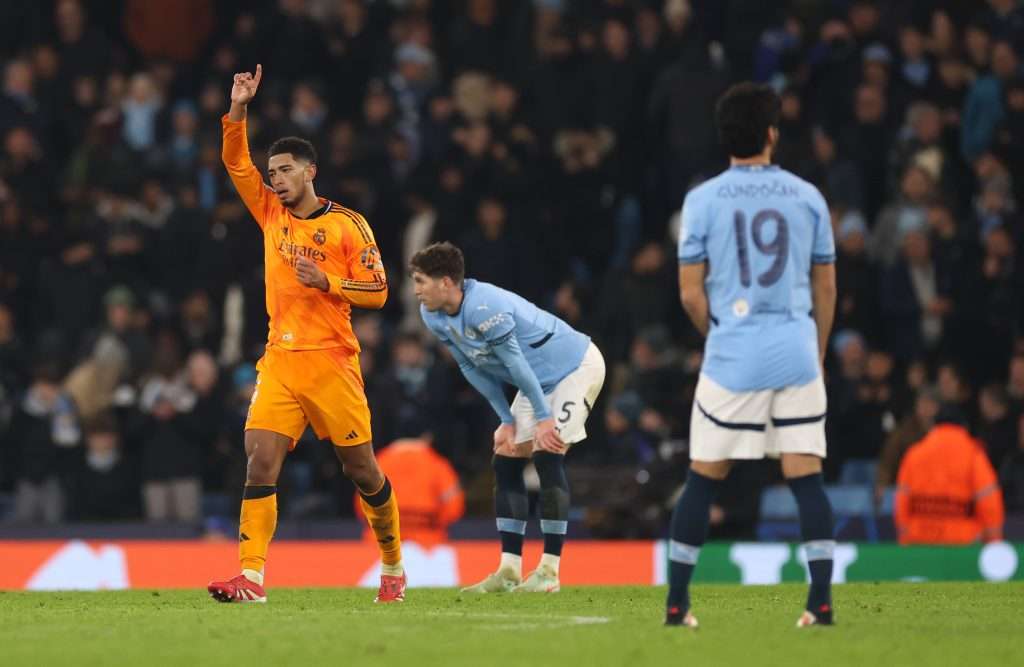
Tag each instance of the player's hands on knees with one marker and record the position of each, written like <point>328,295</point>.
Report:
<point>505,438</point>
<point>310,275</point>
<point>243,89</point>
<point>546,437</point>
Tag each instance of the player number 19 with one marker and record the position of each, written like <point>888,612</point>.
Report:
<point>778,248</point>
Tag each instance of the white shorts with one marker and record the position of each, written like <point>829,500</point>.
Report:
<point>754,424</point>
<point>570,402</point>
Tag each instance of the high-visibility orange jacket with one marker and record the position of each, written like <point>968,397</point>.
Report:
<point>947,491</point>
<point>427,488</point>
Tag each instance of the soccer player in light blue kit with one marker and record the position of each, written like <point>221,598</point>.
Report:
<point>757,277</point>
<point>498,338</point>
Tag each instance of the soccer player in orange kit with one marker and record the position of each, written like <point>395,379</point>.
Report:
<point>320,260</point>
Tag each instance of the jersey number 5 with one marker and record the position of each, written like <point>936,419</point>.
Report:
<point>777,248</point>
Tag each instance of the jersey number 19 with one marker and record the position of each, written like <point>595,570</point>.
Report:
<point>778,248</point>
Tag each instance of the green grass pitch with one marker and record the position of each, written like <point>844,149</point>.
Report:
<point>884,625</point>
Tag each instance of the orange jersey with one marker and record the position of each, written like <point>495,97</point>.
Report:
<point>338,239</point>
<point>947,492</point>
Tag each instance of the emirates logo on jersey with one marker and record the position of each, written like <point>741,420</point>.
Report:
<point>320,236</point>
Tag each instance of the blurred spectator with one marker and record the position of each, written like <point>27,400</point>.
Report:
<point>633,434</point>
<point>140,109</point>
<point>991,308</point>
<point>997,426</point>
<point>102,485</point>
<point>115,353</point>
<point>857,402</point>
<point>84,49</point>
<point>920,144</point>
<point>867,141</point>
<point>630,300</point>
<point>497,252</point>
<point>983,110</point>
<point>947,491</point>
<point>172,454</point>
<point>656,377</point>
<point>910,430</point>
<point>831,173</point>
<point>1011,474</point>
<point>410,389</point>
<point>42,432</point>
<point>914,299</point>
<point>954,389</point>
<point>856,275</point>
<point>902,215</point>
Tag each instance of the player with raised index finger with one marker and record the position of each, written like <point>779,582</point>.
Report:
<point>320,260</point>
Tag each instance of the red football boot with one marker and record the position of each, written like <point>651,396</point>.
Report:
<point>240,589</point>
<point>392,589</point>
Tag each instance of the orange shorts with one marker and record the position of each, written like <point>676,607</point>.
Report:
<point>323,388</point>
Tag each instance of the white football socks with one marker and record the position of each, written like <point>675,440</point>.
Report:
<point>395,570</point>
<point>512,562</point>
<point>255,576</point>
<point>551,561</point>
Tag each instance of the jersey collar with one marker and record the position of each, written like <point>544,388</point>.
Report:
<point>317,213</point>
<point>754,167</point>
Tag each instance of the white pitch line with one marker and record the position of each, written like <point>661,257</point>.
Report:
<point>566,620</point>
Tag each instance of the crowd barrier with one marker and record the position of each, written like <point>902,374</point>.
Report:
<point>96,565</point>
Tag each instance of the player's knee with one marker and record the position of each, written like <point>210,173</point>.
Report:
<point>717,470</point>
<point>800,465</point>
<point>364,473</point>
<point>260,469</point>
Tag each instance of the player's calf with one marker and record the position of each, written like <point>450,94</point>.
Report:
<point>816,530</point>
<point>554,520</point>
<point>688,532</point>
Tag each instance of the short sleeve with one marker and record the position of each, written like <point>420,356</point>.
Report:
<point>492,320</point>
<point>824,249</point>
<point>693,231</point>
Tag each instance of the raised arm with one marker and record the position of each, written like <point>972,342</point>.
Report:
<point>235,150</point>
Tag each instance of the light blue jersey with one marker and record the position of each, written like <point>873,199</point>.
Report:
<point>499,337</point>
<point>759,229</point>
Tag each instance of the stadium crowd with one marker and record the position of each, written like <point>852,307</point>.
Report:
<point>553,140</point>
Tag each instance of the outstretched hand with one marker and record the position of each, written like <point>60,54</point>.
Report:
<point>244,87</point>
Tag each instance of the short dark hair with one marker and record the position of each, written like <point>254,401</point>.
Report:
<point>439,260</point>
<point>297,146</point>
<point>743,115</point>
